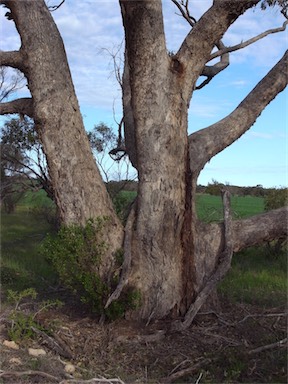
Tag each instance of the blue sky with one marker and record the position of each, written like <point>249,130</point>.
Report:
<point>90,27</point>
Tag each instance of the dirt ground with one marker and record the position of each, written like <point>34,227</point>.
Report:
<point>242,344</point>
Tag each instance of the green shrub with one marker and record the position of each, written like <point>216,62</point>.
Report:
<point>76,253</point>
<point>276,198</point>
<point>24,324</point>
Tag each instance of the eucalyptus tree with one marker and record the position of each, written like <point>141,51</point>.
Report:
<point>170,257</point>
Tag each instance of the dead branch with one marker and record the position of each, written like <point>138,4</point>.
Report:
<point>52,344</point>
<point>262,315</point>
<point>10,83</point>
<point>244,44</point>
<point>184,9</point>
<point>220,271</point>
<point>53,8</point>
<point>278,344</point>
<point>212,70</point>
<point>184,372</point>
<point>7,374</point>
<point>95,380</point>
<point>23,106</point>
<point>127,258</point>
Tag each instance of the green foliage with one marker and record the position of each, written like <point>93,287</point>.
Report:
<point>214,188</point>
<point>276,198</point>
<point>130,299</point>
<point>15,297</point>
<point>122,202</point>
<point>76,253</point>
<point>102,138</point>
<point>23,324</point>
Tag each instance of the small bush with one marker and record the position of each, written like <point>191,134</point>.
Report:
<point>76,253</point>
<point>276,198</point>
<point>23,324</point>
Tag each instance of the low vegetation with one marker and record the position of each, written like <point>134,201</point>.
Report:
<point>222,345</point>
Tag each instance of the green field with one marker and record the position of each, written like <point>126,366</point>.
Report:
<point>257,275</point>
<point>209,208</point>
<point>21,234</point>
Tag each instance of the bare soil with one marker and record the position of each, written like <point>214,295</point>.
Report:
<point>240,344</point>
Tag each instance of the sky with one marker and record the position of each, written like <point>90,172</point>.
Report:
<point>91,29</point>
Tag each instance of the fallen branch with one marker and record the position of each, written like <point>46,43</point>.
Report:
<point>262,315</point>
<point>280,343</point>
<point>6,374</point>
<point>185,372</point>
<point>95,380</point>
<point>53,344</point>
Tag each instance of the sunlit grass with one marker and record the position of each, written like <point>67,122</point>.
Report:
<point>210,208</point>
<point>257,277</point>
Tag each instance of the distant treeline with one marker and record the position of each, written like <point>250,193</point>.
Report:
<point>213,188</point>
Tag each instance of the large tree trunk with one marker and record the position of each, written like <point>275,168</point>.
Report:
<point>170,257</point>
<point>174,256</point>
<point>80,193</point>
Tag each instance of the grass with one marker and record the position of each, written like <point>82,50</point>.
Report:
<point>256,276</point>
<point>21,234</point>
<point>209,208</point>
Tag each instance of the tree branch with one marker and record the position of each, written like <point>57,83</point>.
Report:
<point>244,44</point>
<point>184,9</point>
<point>206,143</point>
<point>212,70</point>
<point>23,106</point>
<point>195,50</point>
<point>53,8</point>
<point>259,229</point>
<point>12,59</point>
